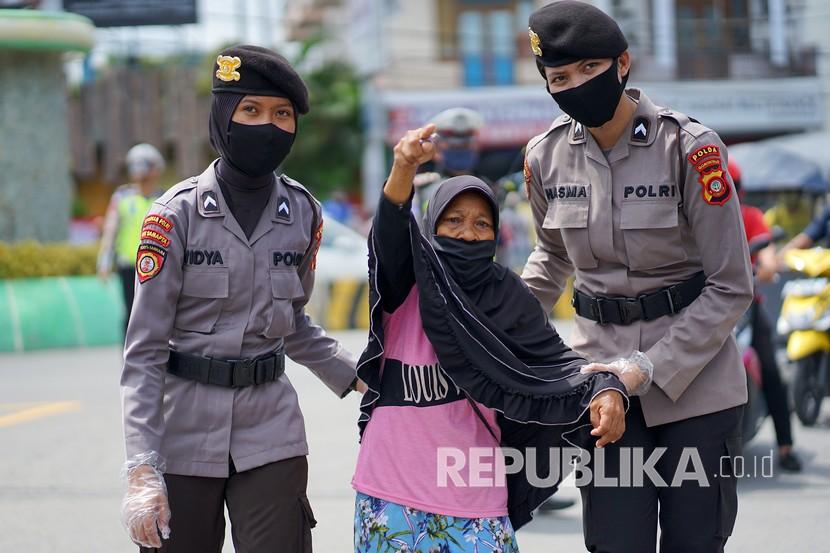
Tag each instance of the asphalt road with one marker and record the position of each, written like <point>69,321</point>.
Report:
<point>60,438</point>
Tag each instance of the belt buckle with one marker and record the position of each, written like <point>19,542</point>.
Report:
<point>242,374</point>
<point>668,292</point>
<point>625,306</point>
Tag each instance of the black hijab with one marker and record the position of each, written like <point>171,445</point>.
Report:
<point>494,341</point>
<point>245,195</point>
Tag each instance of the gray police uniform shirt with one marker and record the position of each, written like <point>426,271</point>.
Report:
<point>651,214</point>
<point>203,288</point>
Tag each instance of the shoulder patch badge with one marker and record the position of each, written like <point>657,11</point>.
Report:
<point>155,236</point>
<point>318,240</point>
<point>158,221</point>
<point>149,262</point>
<point>708,163</point>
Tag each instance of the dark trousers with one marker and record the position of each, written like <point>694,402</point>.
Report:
<point>268,508</point>
<point>773,388</point>
<point>127,276</point>
<point>693,518</point>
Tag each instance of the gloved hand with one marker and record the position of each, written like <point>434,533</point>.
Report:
<point>145,511</point>
<point>635,372</point>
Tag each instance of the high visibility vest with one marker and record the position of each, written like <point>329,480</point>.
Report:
<point>131,211</point>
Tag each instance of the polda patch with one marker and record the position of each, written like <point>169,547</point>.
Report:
<point>708,163</point>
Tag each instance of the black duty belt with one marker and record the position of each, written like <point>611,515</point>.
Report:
<point>647,307</point>
<point>230,373</point>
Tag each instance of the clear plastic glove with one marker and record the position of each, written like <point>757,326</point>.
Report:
<point>145,512</point>
<point>635,372</point>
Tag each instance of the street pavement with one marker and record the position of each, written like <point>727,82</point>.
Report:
<point>60,438</point>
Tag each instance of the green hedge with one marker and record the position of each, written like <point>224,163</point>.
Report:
<point>33,259</point>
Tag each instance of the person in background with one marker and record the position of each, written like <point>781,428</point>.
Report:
<point>457,153</point>
<point>792,213</point>
<point>516,243</point>
<point>338,207</point>
<point>817,230</point>
<point>122,224</point>
<point>772,386</point>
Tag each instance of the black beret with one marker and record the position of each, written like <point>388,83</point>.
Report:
<point>568,31</point>
<point>246,69</point>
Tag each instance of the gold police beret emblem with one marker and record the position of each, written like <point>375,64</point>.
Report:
<point>535,43</point>
<point>228,66</point>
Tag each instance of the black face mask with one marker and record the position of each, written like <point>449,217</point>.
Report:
<point>470,263</point>
<point>594,102</point>
<point>257,150</point>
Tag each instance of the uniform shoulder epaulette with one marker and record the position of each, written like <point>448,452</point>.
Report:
<point>291,183</point>
<point>688,124</point>
<point>177,189</point>
<point>563,120</point>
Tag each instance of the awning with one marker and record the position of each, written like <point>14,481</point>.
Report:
<point>766,166</point>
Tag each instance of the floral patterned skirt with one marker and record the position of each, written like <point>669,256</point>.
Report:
<point>388,527</point>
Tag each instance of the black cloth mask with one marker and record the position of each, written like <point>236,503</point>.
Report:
<point>471,263</point>
<point>253,150</point>
<point>258,150</point>
<point>594,102</point>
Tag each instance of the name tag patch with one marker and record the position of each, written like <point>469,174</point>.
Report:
<point>650,191</point>
<point>566,192</point>
<point>203,257</point>
<point>287,259</point>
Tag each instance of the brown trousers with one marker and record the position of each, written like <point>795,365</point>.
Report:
<point>268,509</point>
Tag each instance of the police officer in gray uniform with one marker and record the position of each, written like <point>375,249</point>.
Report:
<point>224,269</point>
<point>636,201</point>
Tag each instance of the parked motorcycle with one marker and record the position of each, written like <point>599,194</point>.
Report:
<point>805,319</point>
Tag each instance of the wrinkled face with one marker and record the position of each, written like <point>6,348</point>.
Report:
<point>468,217</point>
<point>261,110</point>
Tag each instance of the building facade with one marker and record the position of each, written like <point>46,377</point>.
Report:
<point>747,68</point>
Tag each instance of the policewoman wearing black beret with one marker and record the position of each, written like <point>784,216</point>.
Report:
<point>225,266</point>
<point>635,201</point>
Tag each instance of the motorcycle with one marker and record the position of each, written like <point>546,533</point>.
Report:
<point>805,319</point>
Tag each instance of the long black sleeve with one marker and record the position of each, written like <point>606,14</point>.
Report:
<point>390,232</point>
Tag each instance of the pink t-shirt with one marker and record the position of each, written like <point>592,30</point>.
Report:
<point>404,446</point>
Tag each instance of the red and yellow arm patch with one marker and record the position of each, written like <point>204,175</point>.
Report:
<point>318,240</point>
<point>708,163</point>
<point>149,262</point>
<point>158,221</point>
<point>155,236</point>
<point>528,178</point>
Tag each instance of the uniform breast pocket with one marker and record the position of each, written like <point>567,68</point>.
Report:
<point>201,300</point>
<point>571,219</point>
<point>286,288</point>
<point>651,232</point>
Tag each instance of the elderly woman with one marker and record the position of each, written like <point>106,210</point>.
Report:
<point>460,353</point>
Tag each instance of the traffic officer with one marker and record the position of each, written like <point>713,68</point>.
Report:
<point>457,152</point>
<point>224,268</point>
<point>122,223</point>
<point>636,200</point>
